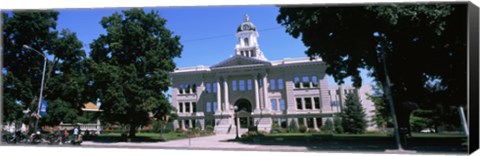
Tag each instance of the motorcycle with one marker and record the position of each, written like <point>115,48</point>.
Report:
<point>17,137</point>
<point>36,138</point>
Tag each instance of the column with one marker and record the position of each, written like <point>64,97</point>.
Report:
<point>257,102</point>
<point>315,123</point>
<point>312,101</point>
<point>190,123</point>
<point>265,93</point>
<point>225,85</point>
<point>219,95</point>
<point>303,104</point>
<point>183,124</point>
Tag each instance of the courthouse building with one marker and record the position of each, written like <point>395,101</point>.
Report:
<point>248,90</point>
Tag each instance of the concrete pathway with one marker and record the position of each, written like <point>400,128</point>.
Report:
<point>209,142</point>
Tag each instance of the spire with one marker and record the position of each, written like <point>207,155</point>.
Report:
<point>246,19</point>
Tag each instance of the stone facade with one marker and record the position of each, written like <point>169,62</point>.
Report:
<point>257,91</point>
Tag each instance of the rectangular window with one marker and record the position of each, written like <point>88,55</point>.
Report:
<point>308,103</point>
<point>215,106</point>
<point>305,82</point>
<point>316,101</point>
<point>282,104</point>
<point>301,121</point>
<point>234,85</point>
<point>208,88</point>
<point>180,89</point>
<point>214,87</point>
<point>274,104</point>
<point>209,107</point>
<point>296,80</point>
<point>194,107</point>
<point>319,122</point>
<point>187,123</point>
<point>283,122</point>
<point>194,88</point>
<point>187,107</point>
<point>272,84</point>
<point>187,89</point>
<point>299,103</point>
<point>180,107</point>
<point>310,123</point>
<point>249,84</point>
<point>260,83</point>
<point>241,84</point>
<point>314,81</point>
<point>280,83</point>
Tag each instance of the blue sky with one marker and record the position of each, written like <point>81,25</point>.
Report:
<point>207,33</point>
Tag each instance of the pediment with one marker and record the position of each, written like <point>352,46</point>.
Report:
<point>239,60</point>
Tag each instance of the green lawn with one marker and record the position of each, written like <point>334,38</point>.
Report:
<point>140,137</point>
<point>420,142</point>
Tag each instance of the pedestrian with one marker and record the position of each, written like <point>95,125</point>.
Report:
<point>65,135</point>
<point>75,132</point>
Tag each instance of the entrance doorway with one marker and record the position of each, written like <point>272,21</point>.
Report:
<point>243,110</point>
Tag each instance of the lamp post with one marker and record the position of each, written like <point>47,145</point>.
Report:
<point>41,87</point>
<point>236,122</point>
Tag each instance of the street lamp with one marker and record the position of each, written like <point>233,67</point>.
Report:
<point>41,87</point>
<point>236,121</point>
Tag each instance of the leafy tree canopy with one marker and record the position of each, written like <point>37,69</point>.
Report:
<point>130,66</point>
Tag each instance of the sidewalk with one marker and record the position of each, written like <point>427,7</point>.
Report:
<point>218,142</point>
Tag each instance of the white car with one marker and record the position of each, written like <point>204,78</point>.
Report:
<point>428,130</point>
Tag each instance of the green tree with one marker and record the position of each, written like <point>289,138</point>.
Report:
<point>353,115</point>
<point>23,67</point>
<point>337,123</point>
<point>130,67</point>
<point>381,112</point>
<point>424,42</point>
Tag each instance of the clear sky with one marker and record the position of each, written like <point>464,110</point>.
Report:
<point>207,33</point>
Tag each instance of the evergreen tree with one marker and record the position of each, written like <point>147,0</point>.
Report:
<point>337,123</point>
<point>353,116</point>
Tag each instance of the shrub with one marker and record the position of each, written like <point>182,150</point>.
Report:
<point>293,127</point>
<point>209,129</point>
<point>328,125</point>
<point>253,134</point>
<point>302,129</point>
<point>338,124</point>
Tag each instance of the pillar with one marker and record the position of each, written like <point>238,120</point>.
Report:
<point>225,85</point>
<point>265,93</point>
<point>219,95</point>
<point>257,101</point>
<point>315,123</point>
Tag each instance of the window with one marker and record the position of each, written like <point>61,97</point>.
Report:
<point>180,107</point>
<point>187,107</point>
<point>246,41</point>
<point>234,85</point>
<point>194,107</point>
<point>308,103</point>
<point>215,106</point>
<point>282,104</point>
<point>249,84</point>
<point>209,107</point>
<point>180,88</point>
<point>296,80</point>
<point>187,123</point>
<point>214,87</point>
<point>314,81</point>
<point>319,122</point>
<point>310,123</point>
<point>274,104</point>
<point>280,83</point>
<point>194,88</point>
<point>301,121</point>
<point>187,88</point>
<point>208,88</point>
<point>305,81</point>
<point>241,84</point>
<point>283,122</point>
<point>272,84</point>
<point>260,83</point>
<point>299,103</point>
<point>316,102</point>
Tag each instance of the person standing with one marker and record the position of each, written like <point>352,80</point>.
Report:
<point>76,131</point>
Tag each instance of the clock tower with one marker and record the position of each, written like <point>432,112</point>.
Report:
<point>247,40</point>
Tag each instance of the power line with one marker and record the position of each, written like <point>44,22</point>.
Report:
<point>226,35</point>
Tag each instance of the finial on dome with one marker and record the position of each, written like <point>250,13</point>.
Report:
<point>246,18</point>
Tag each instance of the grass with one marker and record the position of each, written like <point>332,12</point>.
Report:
<point>140,137</point>
<point>421,142</point>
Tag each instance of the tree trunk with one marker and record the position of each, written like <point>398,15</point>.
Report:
<point>133,130</point>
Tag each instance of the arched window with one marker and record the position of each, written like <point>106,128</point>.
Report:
<point>245,40</point>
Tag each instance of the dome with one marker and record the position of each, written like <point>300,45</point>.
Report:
<point>246,25</point>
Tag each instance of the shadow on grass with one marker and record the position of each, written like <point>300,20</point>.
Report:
<point>317,142</point>
<point>114,139</point>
